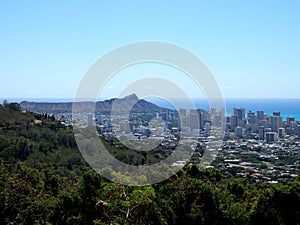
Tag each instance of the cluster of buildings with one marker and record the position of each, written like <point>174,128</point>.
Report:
<point>260,160</point>
<point>157,127</point>
<point>260,146</point>
<point>200,122</point>
<point>260,125</point>
<point>254,144</point>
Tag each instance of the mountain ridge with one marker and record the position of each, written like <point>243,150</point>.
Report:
<point>130,102</point>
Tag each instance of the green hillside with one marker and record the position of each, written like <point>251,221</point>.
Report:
<point>44,180</point>
<point>35,138</point>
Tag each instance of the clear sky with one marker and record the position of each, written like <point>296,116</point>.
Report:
<point>252,47</point>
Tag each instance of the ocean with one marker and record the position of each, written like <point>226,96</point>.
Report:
<point>288,107</point>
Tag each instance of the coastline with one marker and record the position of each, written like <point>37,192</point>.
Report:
<point>289,107</point>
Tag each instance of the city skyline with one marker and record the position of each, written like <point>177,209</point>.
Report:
<point>252,48</point>
<point>288,108</point>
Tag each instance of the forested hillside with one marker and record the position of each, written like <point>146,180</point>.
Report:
<point>44,180</point>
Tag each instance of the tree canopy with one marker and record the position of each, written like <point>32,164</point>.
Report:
<point>44,180</point>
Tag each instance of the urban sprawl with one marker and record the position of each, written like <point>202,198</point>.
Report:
<point>261,147</point>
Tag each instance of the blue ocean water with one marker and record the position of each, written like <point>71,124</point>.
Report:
<point>288,107</point>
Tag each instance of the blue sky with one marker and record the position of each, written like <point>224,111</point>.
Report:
<point>252,47</point>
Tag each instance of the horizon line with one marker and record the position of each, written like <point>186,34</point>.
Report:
<point>150,97</point>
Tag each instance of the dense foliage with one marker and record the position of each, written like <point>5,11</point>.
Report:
<point>44,180</point>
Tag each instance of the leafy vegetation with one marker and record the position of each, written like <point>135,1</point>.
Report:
<point>44,180</point>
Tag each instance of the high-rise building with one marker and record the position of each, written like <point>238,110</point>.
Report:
<point>271,137</point>
<point>289,120</point>
<point>260,115</point>
<point>239,132</point>
<point>168,114</point>
<point>298,131</point>
<point>240,113</point>
<point>261,133</point>
<point>281,132</point>
<point>183,112</point>
<point>217,120</point>
<point>227,119</point>
<point>213,111</point>
<point>233,122</point>
<point>183,119</point>
<point>207,128</point>
<point>251,117</point>
<point>202,116</point>
<point>194,120</point>
<point>276,113</point>
<point>265,123</point>
<point>276,123</point>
